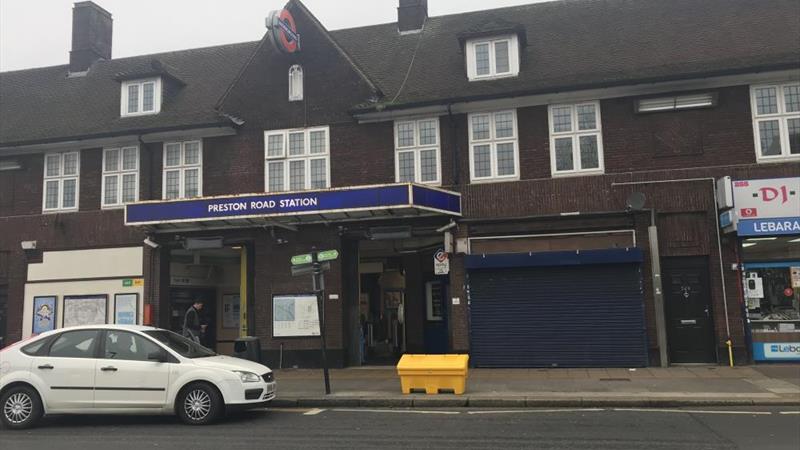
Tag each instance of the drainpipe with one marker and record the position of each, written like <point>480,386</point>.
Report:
<point>728,340</point>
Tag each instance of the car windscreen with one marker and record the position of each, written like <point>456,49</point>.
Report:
<point>181,345</point>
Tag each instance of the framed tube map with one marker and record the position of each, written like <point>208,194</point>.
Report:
<point>85,310</point>
<point>295,316</point>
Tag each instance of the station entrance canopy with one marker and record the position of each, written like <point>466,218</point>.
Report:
<point>293,208</point>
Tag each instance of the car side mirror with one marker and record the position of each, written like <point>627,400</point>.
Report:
<point>158,356</point>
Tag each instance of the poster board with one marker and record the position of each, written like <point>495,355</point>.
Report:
<point>230,311</point>
<point>85,310</point>
<point>295,315</point>
<point>44,314</point>
<point>126,309</point>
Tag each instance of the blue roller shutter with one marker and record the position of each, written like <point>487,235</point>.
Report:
<point>585,315</point>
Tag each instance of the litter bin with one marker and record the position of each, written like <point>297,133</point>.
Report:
<point>248,347</point>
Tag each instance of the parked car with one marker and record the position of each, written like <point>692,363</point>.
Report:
<point>118,369</point>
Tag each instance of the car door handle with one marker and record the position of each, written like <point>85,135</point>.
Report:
<point>46,367</point>
<point>108,369</point>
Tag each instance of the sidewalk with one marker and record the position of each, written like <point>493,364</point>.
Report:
<point>506,388</point>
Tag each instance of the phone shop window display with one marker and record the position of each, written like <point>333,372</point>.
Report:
<point>772,285</point>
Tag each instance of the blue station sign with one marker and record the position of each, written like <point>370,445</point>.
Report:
<point>330,202</point>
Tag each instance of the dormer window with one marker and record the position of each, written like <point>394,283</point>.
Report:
<point>295,83</point>
<point>493,58</point>
<point>140,97</point>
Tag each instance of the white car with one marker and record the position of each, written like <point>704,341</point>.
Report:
<point>117,369</point>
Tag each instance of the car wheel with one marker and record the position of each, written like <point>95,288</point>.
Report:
<point>199,404</point>
<point>22,407</point>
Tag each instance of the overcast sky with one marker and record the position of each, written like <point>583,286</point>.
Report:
<point>37,33</point>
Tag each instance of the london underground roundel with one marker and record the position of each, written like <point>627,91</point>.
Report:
<point>284,31</point>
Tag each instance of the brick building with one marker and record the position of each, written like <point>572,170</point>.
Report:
<point>573,178</point>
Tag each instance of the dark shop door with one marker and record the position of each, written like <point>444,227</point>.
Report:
<point>690,323</point>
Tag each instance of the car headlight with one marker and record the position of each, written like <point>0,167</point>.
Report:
<point>247,377</point>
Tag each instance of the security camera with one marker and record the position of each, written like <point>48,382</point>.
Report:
<point>28,245</point>
<point>151,243</point>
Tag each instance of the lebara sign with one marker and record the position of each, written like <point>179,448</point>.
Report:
<point>284,31</point>
<point>767,207</point>
<point>776,351</point>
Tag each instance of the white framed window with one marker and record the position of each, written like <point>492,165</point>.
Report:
<point>140,97</point>
<point>576,139</point>
<point>183,170</point>
<point>776,121</point>
<point>493,58</point>
<point>120,176</point>
<point>61,181</point>
<point>297,160</point>
<point>675,103</point>
<point>493,146</point>
<point>417,156</point>
<point>295,83</point>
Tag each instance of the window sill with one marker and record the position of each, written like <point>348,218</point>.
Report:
<point>777,159</point>
<point>493,180</point>
<point>587,173</point>
<point>59,211</point>
<point>149,113</point>
<point>493,77</point>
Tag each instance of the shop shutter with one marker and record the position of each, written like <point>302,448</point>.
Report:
<point>558,316</point>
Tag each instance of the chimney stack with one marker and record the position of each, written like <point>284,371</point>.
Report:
<point>91,36</point>
<point>411,15</point>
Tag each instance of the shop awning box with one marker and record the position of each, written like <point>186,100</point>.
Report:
<point>404,200</point>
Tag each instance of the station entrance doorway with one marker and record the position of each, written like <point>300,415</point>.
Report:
<point>213,276</point>
<point>401,302</point>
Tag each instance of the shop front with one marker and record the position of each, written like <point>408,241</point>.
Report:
<point>766,219</point>
<point>382,296</point>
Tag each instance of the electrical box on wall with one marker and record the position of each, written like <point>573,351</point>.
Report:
<point>724,193</point>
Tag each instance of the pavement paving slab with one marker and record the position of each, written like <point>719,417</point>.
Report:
<point>514,388</point>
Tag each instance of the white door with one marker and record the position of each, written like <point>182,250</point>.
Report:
<point>67,372</point>
<point>126,377</point>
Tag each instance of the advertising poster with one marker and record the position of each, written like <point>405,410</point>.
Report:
<point>230,311</point>
<point>44,314</point>
<point>295,316</point>
<point>126,307</point>
<point>85,310</point>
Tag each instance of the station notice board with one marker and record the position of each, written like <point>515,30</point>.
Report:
<point>295,316</point>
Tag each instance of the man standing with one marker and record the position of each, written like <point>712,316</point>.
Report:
<point>192,326</point>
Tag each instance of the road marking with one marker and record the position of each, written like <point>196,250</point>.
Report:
<point>789,412</point>
<point>402,411</point>
<point>313,412</point>
<point>521,411</point>
<point>694,411</point>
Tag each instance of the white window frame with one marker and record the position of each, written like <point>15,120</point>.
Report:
<point>60,178</point>
<point>123,104</point>
<point>119,173</point>
<point>307,156</point>
<point>493,141</point>
<point>417,148</point>
<point>296,83</point>
<point>576,134</point>
<point>182,167</point>
<point>781,116</point>
<point>513,57</point>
